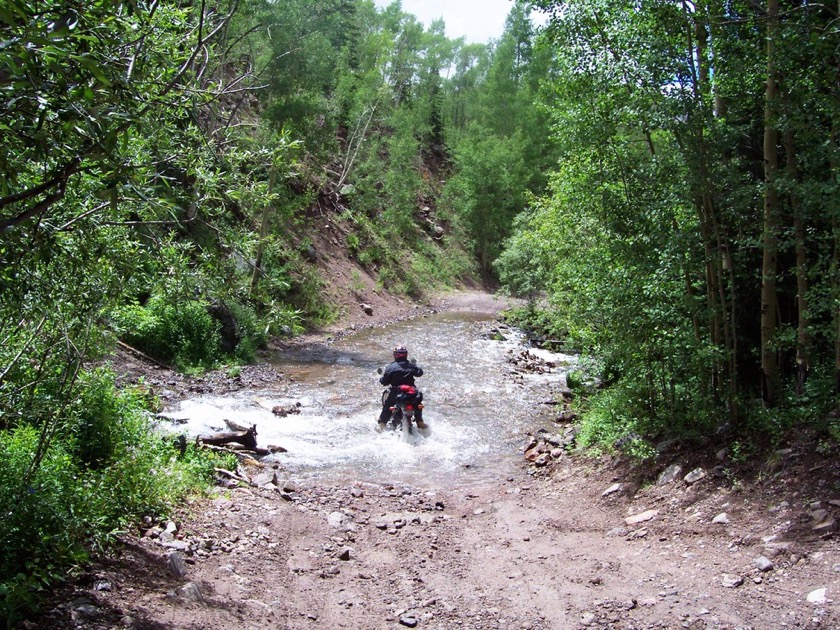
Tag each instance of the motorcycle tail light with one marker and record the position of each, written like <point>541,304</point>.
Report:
<point>409,407</point>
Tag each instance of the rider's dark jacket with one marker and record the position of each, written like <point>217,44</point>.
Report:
<point>400,372</point>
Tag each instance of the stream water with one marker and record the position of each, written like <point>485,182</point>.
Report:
<point>479,411</point>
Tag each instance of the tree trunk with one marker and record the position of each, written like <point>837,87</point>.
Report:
<point>803,335</point>
<point>718,264</point>
<point>266,216</point>
<point>835,280</point>
<point>769,362</point>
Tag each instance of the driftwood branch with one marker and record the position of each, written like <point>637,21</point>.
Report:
<point>143,355</point>
<point>240,454</point>
<point>248,438</point>
<point>232,475</point>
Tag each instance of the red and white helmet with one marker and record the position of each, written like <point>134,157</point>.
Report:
<point>400,352</point>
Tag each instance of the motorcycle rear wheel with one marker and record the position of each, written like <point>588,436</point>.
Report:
<point>407,424</point>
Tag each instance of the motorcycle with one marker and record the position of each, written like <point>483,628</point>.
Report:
<point>409,400</point>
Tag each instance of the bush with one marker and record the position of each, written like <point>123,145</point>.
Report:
<point>100,467</point>
<point>184,334</point>
<point>253,332</point>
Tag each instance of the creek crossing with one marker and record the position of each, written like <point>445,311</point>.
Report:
<point>478,407</point>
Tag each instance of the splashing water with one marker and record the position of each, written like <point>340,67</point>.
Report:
<point>477,408</point>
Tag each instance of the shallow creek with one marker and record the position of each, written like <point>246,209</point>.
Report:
<point>479,411</point>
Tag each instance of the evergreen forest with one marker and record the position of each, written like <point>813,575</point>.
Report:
<point>657,178</point>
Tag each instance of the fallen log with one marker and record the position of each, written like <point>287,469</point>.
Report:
<point>143,355</point>
<point>262,452</point>
<point>242,454</point>
<point>234,426</point>
<point>248,438</point>
<point>232,475</point>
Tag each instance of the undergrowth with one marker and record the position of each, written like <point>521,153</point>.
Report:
<point>69,484</point>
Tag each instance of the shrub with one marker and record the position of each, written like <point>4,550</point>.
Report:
<point>253,332</point>
<point>69,484</point>
<point>184,334</point>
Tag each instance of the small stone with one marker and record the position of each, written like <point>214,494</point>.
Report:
<point>345,554</point>
<point>669,475</point>
<point>763,564</point>
<point>640,518</point>
<point>408,621</point>
<point>721,519</point>
<point>336,519</point>
<point>773,549</point>
<point>191,592</point>
<point>694,476</point>
<point>153,532</point>
<point>175,564</point>
<point>731,581</point>
<point>84,610</point>
<point>587,619</point>
<point>616,487</point>
<point>543,460</point>
<point>817,596</point>
<point>825,524</point>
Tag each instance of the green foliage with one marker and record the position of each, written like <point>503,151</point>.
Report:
<point>608,420</point>
<point>83,491</point>
<point>95,419</point>
<point>489,189</point>
<point>182,333</point>
<point>645,251</point>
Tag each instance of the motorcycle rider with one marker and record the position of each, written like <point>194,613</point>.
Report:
<point>400,372</point>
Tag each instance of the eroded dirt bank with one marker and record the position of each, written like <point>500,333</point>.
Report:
<point>544,547</point>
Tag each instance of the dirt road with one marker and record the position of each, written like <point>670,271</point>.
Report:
<point>544,551</point>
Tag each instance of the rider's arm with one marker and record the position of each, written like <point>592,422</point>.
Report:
<point>385,379</point>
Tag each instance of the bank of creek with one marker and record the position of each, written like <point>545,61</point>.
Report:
<point>354,529</point>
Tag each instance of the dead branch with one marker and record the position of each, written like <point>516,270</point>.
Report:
<point>143,355</point>
<point>248,438</point>
<point>232,475</point>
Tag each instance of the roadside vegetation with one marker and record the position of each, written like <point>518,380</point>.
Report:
<point>660,180</point>
<point>687,238</point>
